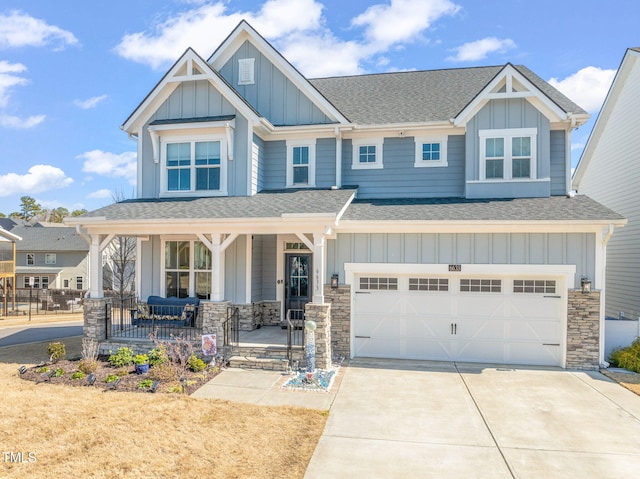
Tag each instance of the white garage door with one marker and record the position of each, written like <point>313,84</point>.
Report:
<point>477,319</point>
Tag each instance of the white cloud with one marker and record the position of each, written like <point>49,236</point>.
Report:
<point>103,193</point>
<point>10,121</point>
<point>577,146</point>
<point>113,165</point>
<point>309,53</point>
<point>18,29</point>
<point>38,179</point>
<point>401,20</point>
<point>9,79</point>
<point>587,87</point>
<point>206,26</point>
<point>90,102</point>
<point>478,50</point>
<point>296,27</point>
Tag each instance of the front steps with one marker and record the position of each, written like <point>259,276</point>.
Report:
<point>270,358</point>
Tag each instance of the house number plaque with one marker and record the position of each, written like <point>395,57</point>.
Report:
<point>455,267</point>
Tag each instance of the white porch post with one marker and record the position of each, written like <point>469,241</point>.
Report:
<point>95,268</point>
<point>318,268</point>
<point>217,268</point>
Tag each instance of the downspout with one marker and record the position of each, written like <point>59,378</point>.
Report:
<point>567,147</point>
<point>602,279</point>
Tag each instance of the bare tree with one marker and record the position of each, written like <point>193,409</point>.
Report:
<point>119,268</point>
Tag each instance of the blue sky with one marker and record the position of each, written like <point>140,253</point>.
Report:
<point>71,71</point>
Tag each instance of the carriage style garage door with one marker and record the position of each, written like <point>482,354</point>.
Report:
<point>511,320</point>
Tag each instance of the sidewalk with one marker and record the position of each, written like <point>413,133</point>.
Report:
<point>12,321</point>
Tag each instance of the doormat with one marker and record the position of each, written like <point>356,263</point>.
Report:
<point>320,380</point>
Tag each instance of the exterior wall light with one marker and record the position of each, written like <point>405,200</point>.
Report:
<point>334,281</point>
<point>585,283</point>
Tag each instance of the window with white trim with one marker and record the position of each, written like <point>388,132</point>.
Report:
<point>431,151</point>
<point>50,258</point>
<point>385,284</point>
<point>31,259</point>
<point>301,163</point>
<point>246,71</point>
<point>481,285</point>
<point>65,283</point>
<point>194,166</point>
<point>39,282</point>
<point>367,154</point>
<point>508,154</point>
<point>187,269</point>
<point>79,282</point>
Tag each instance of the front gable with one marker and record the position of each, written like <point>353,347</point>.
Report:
<point>508,84</point>
<point>269,83</point>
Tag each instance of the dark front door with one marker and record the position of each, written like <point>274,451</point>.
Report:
<point>298,282</point>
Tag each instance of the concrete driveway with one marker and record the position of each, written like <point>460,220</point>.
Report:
<point>401,419</point>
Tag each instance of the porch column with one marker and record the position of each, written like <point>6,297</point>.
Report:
<point>95,268</point>
<point>217,268</point>
<point>318,268</point>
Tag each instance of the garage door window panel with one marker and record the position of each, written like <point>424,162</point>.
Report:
<point>379,284</point>
<point>539,286</point>
<point>481,285</point>
<point>428,284</point>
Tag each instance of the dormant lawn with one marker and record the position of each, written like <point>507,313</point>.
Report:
<point>64,431</point>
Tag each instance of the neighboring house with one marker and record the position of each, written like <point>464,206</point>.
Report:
<point>55,257</point>
<point>609,172</point>
<point>421,215</point>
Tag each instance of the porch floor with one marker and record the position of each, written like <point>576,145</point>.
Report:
<point>263,337</point>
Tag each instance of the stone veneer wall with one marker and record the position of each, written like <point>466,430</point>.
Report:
<point>269,312</point>
<point>214,314</point>
<point>583,330</point>
<point>340,300</point>
<point>321,314</point>
<point>95,318</point>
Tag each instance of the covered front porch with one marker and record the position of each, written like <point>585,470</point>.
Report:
<point>259,257</point>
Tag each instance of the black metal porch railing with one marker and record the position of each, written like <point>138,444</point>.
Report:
<point>295,332</point>
<point>231,328</point>
<point>129,319</point>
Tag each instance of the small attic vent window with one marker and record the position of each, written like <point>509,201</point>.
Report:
<point>246,71</point>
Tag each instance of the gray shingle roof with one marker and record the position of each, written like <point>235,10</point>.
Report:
<point>269,204</point>
<point>419,96</point>
<point>37,238</point>
<point>555,208</point>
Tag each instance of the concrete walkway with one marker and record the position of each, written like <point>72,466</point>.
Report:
<point>264,388</point>
<point>399,419</point>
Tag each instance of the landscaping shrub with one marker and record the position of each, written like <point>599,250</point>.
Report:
<point>123,357</point>
<point>58,372</point>
<point>78,375</point>
<point>88,366</point>
<point>628,358</point>
<point>196,364</point>
<point>165,372</point>
<point>158,355</point>
<point>111,378</point>
<point>56,351</point>
<point>145,384</point>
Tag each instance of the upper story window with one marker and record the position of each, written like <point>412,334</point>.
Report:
<point>31,259</point>
<point>367,154</point>
<point>194,166</point>
<point>431,151</point>
<point>246,71</point>
<point>508,154</point>
<point>301,163</point>
<point>50,258</point>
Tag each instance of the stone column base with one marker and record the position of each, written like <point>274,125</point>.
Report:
<point>321,314</point>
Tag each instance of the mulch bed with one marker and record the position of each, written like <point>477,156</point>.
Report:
<point>129,380</point>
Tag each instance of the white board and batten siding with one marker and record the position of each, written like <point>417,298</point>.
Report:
<point>504,314</point>
<point>612,177</point>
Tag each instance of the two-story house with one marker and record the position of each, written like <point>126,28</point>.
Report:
<point>421,215</point>
<point>56,257</point>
